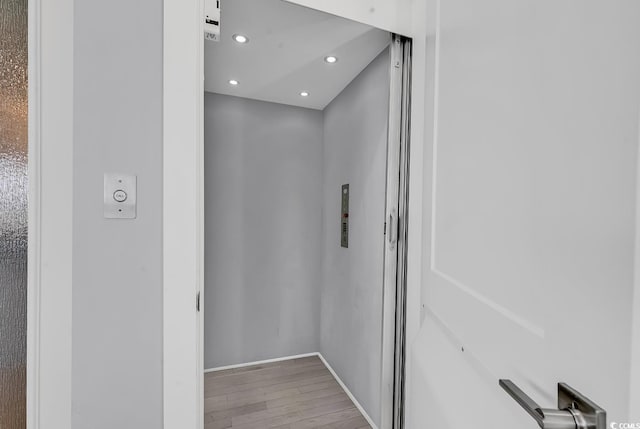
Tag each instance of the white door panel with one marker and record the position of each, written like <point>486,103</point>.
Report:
<point>497,338</point>
<point>462,392</point>
<point>532,225</point>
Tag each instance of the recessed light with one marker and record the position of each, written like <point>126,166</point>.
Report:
<point>330,59</point>
<point>240,38</point>
<point>304,94</point>
<point>233,82</point>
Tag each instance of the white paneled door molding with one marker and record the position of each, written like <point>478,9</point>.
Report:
<point>183,235</point>
<point>530,211</point>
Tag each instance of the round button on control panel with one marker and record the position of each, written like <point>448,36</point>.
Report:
<point>120,196</point>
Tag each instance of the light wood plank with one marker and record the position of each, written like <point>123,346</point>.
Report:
<point>240,382</point>
<point>352,423</point>
<point>219,424</point>
<point>294,394</point>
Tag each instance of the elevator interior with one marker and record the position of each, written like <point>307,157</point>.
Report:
<point>296,130</point>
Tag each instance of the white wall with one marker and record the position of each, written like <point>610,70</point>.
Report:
<point>117,264</point>
<point>263,211</point>
<point>355,150</point>
<point>394,16</point>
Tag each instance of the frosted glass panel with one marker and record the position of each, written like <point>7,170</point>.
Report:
<point>13,212</point>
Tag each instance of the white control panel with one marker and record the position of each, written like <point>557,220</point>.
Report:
<point>119,196</point>
<point>212,20</point>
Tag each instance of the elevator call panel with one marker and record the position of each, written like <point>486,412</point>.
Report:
<point>120,196</point>
<point>344,217</point>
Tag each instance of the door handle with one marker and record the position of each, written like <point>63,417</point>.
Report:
<point>575,411</point>
<point>393,231</point>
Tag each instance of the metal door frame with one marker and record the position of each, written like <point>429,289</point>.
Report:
<point>399,134</point>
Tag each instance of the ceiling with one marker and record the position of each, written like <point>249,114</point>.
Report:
<point>285,53</point>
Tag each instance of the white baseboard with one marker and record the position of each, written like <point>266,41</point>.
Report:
<point>348,392</point>
<point>324,361</point>
<point>259,362</point>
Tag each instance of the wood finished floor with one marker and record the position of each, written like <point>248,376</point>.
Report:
<point>292,394</point>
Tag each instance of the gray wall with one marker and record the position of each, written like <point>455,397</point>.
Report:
<point>263,222</point>
<point>117,265</point>
<point>355,144</point>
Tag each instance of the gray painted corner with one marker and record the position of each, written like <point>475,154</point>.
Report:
<point>263,229</point>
